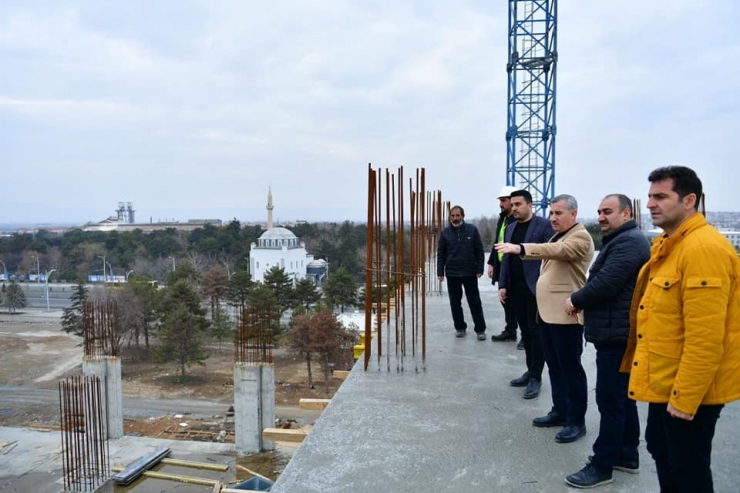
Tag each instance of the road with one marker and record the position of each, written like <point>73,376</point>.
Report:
<point>134,407</point>
<point>58,294</point>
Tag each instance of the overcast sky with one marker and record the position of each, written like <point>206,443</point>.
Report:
<point>192,109</point>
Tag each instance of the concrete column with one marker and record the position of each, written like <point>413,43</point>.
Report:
<point>108,369</point>
<point>268,402</point>
<point>254,406</point>
<point>114,397</point>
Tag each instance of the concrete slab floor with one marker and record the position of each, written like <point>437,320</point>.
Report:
<point>35,464</point>
<point>459,427</point>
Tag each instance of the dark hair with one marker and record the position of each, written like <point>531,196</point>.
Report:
<point>462,211</point>
<point>684,179</point>
<point>624,202</point>
<point>522,193</point>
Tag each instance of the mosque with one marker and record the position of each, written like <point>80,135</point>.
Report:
<point>280,247</point>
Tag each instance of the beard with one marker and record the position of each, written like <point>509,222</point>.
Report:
<point>456,224</point>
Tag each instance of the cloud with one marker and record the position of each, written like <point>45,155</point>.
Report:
<point>192,109</point>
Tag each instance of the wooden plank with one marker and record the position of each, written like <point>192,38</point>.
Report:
<point>176,477</point>
<point>197,465</point>
<point>253,473</point>
<point>318,404</point>
<point>343,374</point>
<point>277,434</point>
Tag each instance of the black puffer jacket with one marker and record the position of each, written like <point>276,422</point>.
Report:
<point>605,299</point>
<point>460,252</point>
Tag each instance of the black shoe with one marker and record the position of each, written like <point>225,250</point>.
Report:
<point>552,419</point>
<point>460,333</point>
<point>624,465</point>
<point>589,477</point>
<point>506,335</point>
<point>570,434</point>
<point>520,346</point>
<point>533,389</point>
<point>481,336</point>
<point>521,381</point>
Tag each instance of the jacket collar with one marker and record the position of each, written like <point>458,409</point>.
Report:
<point>664,244</point>
<point>631,224</point>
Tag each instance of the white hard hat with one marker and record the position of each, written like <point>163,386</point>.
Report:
<point>506,192</point>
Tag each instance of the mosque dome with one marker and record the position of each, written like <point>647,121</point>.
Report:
<point>277,238</point>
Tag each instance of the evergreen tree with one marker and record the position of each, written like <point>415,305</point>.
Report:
<point>281,285</point>
<point>238,287</point>
<point>305,294</point>
<point>341,289</point>
<point>72,322</point>
<point>262,298</point>
<point>181,338</point>
<point>222,326</point>
<point>14,297</point>
<point>182,329</point>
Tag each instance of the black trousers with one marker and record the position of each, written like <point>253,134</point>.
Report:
<point>525,307</point>
<point>682,449</point>
<point>455,286</point>
<point>619,426</point>
<point>563,346</point>
<point>510,317</point>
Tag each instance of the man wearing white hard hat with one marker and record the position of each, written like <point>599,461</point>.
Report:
<point>494,264</point>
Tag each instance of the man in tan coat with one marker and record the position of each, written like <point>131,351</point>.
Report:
<point>565,260</point>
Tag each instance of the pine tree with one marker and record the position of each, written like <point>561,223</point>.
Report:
<point>281,285</point>
<point>341,289</point>
<point>221,325</point>
<point>305,294</point>
<point>183,327</point>
<point>14,297</point>
<point>72,316</point>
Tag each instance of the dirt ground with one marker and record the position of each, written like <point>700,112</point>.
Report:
<point>35,353</point>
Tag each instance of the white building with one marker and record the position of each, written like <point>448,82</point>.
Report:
<point>279,247</point>
<point>732,236</point>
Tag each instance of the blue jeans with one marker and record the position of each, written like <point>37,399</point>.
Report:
<point>682,449</point>
<point>563,346</point>
<point>455,287</point>
<point>619,427</point>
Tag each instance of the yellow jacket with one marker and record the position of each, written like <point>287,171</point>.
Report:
<point>684,343</point>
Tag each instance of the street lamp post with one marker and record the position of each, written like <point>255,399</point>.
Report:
<point>103,257</point>
<point>128,273</point>
<point>38,268</point>
<point>48,273</point>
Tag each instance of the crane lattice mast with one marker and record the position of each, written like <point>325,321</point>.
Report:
<point>532,74</point>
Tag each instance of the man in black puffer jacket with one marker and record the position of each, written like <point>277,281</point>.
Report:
<point>605,300</point>
<point>460,257</point>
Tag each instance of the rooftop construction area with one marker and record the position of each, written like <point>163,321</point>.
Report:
<point>454,426</point>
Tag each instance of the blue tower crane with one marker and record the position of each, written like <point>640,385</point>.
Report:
<point>532,76</point>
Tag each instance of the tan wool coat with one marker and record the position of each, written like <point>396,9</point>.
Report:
<point>564,269</point>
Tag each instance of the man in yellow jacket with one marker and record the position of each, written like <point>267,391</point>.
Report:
<point>683,353</point>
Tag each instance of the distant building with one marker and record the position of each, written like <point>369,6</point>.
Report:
<point>279,247</point>
<point>732,235</point>
<point>124,221</point>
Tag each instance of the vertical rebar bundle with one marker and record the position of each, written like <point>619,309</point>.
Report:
<point>398,260</point>
<point>85,453</point>
<point>100,328</point>
<point>253,335</point>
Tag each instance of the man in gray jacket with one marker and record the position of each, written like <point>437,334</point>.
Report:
<point>605,301</point>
